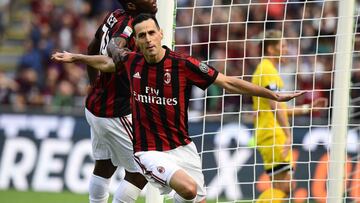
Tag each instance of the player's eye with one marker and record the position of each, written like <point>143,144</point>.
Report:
<point>141,35</point>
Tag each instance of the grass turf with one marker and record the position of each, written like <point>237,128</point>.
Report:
<point>12,196</point>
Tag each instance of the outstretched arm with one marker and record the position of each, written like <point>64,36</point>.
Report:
<point>100,62</point>
<point>235,85</point>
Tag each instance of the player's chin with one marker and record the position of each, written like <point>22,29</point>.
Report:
<point>154,11</point>
<point>151,54</point>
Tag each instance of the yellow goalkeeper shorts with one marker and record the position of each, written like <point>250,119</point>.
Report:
<point>271,148</point>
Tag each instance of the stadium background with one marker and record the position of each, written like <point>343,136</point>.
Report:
<point>42,102</point>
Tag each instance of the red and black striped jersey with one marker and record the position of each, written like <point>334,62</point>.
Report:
<point>110,94</point>
<point>160,97</point>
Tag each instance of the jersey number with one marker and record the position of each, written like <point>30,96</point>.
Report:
<point>111,21</point>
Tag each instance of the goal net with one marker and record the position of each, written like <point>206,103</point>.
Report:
<point>227,34</point>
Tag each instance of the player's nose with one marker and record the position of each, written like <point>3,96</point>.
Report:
<point>147,38</point>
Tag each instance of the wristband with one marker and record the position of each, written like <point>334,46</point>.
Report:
<point>305,108</point>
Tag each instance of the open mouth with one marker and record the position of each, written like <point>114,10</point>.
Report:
<point>150,47</point>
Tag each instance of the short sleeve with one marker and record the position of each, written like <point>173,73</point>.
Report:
<point>99,31</point>
<point>269,79</point>
<point>116,24</point>
<point>124,29</point>
<point>200,74</point>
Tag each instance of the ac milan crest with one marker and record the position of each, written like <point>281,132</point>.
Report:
<point>160,169</point>
<point>167,77</point>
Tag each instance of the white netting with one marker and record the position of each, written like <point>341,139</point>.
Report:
<point>227,34</point>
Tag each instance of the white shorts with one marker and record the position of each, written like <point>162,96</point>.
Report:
<point>158,167</point>
<point>112,139</point>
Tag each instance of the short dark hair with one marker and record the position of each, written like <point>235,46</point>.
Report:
<point>143,17</point>
<point>123,3</point>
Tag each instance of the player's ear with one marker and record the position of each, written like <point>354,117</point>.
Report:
<point>131,6</point>
<point>162,33</point>
<point>136,42</point>
<point>269,50</point>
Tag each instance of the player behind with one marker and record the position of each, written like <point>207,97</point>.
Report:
<point>108,110</point>
<point>160,84</point>
<point>273,135</point>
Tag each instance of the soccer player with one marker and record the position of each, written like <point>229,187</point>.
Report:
<point>273,135</point>
<point>160,84</point>
<point>108,110</point>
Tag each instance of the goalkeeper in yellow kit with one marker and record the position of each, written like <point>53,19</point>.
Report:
<point>273,135</point>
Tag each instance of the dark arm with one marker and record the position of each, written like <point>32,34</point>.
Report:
<point>116,52</point>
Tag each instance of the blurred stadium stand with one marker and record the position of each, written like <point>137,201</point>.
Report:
<point>33,29</point>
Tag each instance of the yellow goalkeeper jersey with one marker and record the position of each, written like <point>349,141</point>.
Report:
<point>266,75</point>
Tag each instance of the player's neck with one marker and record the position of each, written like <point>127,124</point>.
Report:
<point>132,13</point>
<point>156,58</point>
<point>274,60</point>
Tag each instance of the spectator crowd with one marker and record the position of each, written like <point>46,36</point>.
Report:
<point>39,83</point>
<point>225,33</point>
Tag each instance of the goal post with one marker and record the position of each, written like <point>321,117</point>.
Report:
<point>340,110</point>
<point>165,16</point>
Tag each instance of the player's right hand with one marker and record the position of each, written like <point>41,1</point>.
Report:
<point>64,57</point>
<point>282,97</point>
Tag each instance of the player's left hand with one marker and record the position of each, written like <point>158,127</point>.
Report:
<point>283,97</point>
<point>319,103</point>
<point>64,56</point>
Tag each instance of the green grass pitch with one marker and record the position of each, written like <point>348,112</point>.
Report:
<point>12,196</point>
